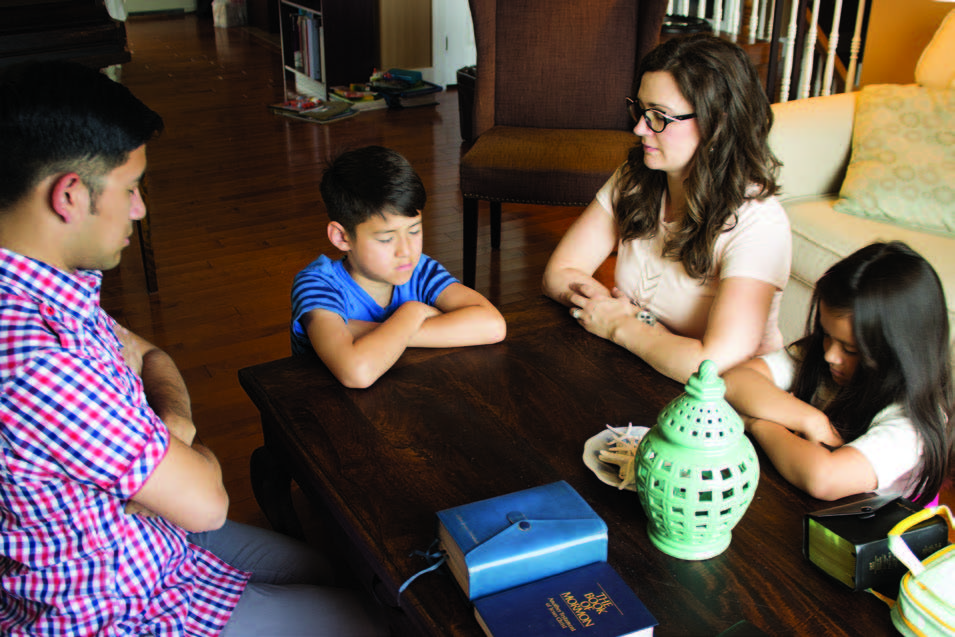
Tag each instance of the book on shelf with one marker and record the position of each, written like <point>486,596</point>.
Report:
<point>306,44</point>
<point>589,600</point>
<point>513,539</point>
<point>850,542</point>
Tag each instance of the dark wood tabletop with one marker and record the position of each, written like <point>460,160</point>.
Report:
<point>450,426</point>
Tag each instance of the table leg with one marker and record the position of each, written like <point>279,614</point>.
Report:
<point>272,487</point>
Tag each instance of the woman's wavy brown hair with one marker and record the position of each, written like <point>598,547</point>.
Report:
<point>734,118</point>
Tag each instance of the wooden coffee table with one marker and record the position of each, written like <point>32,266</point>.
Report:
<point>447,427</point>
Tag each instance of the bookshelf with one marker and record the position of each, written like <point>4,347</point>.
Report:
<point>327,42</point>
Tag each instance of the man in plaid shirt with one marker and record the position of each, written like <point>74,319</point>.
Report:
<point>112,515</point>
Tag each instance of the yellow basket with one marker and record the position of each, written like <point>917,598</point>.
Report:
<point>926,603</point>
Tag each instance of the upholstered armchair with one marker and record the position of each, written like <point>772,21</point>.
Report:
<point>549,112</point>
<point>830,149</point>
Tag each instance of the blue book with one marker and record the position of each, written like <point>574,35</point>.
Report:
<point>520,537</point>
<point>591,601</point>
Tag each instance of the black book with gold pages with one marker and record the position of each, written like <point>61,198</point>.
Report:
<point>850,542</point>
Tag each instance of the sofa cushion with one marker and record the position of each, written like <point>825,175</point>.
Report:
<point>935,68</point>
<point>902,169</point>
<point>822,236</point>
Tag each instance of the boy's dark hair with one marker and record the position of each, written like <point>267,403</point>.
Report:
<point>58,116</point>
<point>370,181</point>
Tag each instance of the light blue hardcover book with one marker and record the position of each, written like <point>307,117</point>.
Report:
<point>520,537</point>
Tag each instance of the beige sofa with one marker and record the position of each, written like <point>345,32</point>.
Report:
<point>813,139</point>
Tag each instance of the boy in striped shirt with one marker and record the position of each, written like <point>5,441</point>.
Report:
<point>361,312</point>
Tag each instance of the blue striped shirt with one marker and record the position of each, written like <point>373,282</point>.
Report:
<point>326,285</point>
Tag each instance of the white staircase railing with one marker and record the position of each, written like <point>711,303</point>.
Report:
<point>807,53</point>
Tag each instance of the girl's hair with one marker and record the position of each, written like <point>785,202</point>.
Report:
<point>734,118</point>
<point>900,325</point>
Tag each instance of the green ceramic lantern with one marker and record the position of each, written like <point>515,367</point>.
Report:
<point>696,471</point>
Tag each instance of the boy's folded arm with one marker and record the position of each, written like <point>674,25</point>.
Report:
<point>359,362</point>
<point>466,318</point>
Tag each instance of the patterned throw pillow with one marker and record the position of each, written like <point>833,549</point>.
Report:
<point>902,169</point>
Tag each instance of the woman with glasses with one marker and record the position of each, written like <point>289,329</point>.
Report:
<point>702,246</point>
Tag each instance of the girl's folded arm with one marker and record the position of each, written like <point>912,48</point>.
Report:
<point>822,473</point>
<point>751,391</point>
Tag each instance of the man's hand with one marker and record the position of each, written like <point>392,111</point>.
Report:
<point>135,508</point>
<point>132,353</point>
<point>162,382</point>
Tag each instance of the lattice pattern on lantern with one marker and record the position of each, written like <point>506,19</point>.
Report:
<point>696,472</point>
<point>703,500</point>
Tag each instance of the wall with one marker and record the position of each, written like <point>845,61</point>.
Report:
<point>405,34</point>
<point>898,32</point>
<point>452,39</point>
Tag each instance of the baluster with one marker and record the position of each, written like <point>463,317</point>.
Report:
<point>733,18</point>
<point>755,7</point>
<point>831,53</point>
<point>809,52</point>
<point>789,54</point>
<point>766,11</point>
<point>718,15</point>
<point>855,46</point>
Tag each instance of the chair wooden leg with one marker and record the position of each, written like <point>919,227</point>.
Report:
<point>495,225</point>
<point>470,240</point>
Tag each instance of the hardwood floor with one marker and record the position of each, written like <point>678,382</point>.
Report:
<point>235,212</point>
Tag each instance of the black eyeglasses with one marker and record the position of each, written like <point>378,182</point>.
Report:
<point>656,120</point>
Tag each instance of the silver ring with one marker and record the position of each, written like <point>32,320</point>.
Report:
<point>647,318</point>
<point>575,313</point>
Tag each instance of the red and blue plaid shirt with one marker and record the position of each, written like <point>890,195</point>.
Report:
<point>77,441</point>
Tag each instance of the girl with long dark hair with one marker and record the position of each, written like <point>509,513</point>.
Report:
<point>864,401</point>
